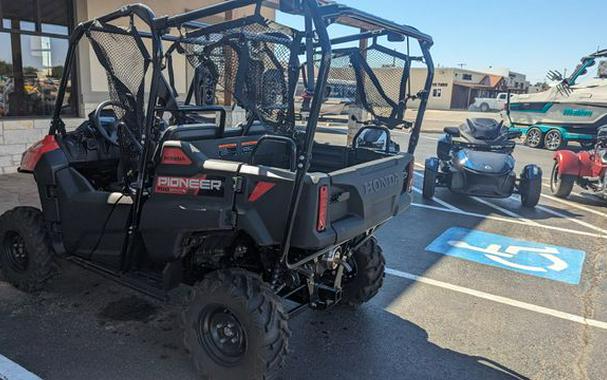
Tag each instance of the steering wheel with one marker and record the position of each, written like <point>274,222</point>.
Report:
<point>108,132</point>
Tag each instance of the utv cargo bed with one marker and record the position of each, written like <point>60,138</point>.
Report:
<point>346,193</point>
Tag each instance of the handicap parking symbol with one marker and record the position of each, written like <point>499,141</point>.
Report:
<point>536,259</point>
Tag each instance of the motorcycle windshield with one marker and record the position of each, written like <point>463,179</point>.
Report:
<point>484,162</point>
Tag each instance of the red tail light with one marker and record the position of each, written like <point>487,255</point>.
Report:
<point>34,153</point>
<point>323,208</point>
<point>410,174</point>
<point>174,156</point>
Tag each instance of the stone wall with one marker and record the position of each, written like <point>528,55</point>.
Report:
<point>17,135</point>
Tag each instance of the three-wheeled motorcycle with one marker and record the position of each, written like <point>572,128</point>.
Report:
<point>476,159</point>
<point>587,168</point>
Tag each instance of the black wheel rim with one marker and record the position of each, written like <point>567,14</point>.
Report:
<point>533,137</point>
<point>553,140</point>
<point>221,334</point>
<point>13,249</point>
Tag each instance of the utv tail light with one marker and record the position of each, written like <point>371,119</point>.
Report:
<point>323,208</point>
<point>174,156</point>
<point>31,156</point>
<point>410,174</point>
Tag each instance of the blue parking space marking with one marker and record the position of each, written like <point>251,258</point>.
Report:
<point>536,259</point>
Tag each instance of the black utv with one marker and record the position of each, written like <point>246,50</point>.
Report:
<point>257,218</point>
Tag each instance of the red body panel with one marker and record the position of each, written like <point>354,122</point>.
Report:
<point>583,164</point>
<point>598,165</point>
<point>32,154</point>
<point>571,163</point>
<point>174,156</point>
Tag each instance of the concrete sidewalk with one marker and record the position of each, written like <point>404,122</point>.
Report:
<point>17,190</point>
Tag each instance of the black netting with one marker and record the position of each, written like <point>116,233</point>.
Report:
<point>248,66</point>
<point>374,80</point>
<point>125,59</point>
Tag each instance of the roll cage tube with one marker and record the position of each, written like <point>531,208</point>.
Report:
<point>303,160</point>
<point>139,10</point>
<point>377,27</point>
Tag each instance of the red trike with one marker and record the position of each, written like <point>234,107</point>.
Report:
<point>588,169</point>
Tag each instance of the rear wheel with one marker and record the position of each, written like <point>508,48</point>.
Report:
<point>367,275</point>
<point>26,257</point>
<point>235,327</point>
<point>484,107</point>
<point>561,184</point>
<point>534,138</point>
<point>554,140</point>
<point>429,183</point>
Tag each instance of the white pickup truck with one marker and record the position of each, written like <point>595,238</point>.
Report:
<point>489,104</point>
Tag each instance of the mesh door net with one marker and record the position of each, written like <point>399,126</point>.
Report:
<point>373,80</point>
<point>249,66</point>
<point>126,60</point>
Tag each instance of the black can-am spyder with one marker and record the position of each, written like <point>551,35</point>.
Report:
<point>476,159</point>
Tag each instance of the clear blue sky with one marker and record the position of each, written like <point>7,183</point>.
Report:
<point>531,36</point>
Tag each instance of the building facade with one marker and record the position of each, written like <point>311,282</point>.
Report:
<point>33,44</point>
<point>456,88</point>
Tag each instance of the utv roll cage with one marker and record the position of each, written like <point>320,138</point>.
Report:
<point>142,108</point>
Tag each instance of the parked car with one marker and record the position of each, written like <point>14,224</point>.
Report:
<point>490,104</point>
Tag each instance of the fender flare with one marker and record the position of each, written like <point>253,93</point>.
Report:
<point>568,161</point>
<point>531,172</point>
<point>432,164</point>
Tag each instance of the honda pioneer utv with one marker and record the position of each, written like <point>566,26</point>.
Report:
<point>259,220</point>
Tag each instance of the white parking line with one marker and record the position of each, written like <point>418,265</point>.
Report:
<point>437,200</point>
<point>505,211</point>
<point>515,215</point>
<point>508,220</point>
<point>575,205</point>
<point>10,370</point>
<point>574,220</point>
<point>499,299</point>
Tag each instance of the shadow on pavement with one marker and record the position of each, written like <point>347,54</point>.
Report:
<point>372,343</point>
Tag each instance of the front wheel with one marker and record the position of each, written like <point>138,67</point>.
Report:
<point>236,327</point>
<point>366,275</point>
<point>554,140</point>
<point>561,185</point>
<point>534,138</point>
<point>530,186</point>
<point>26,256</point>
<point>429,183</point>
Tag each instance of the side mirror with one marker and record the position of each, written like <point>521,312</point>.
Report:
<point>452,131</point>
<point>513,134</point>
<point>372,137</point>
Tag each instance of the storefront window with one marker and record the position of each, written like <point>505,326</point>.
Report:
<point>33,47</point>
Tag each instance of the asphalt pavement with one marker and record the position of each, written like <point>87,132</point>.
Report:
<point>494,315</point>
